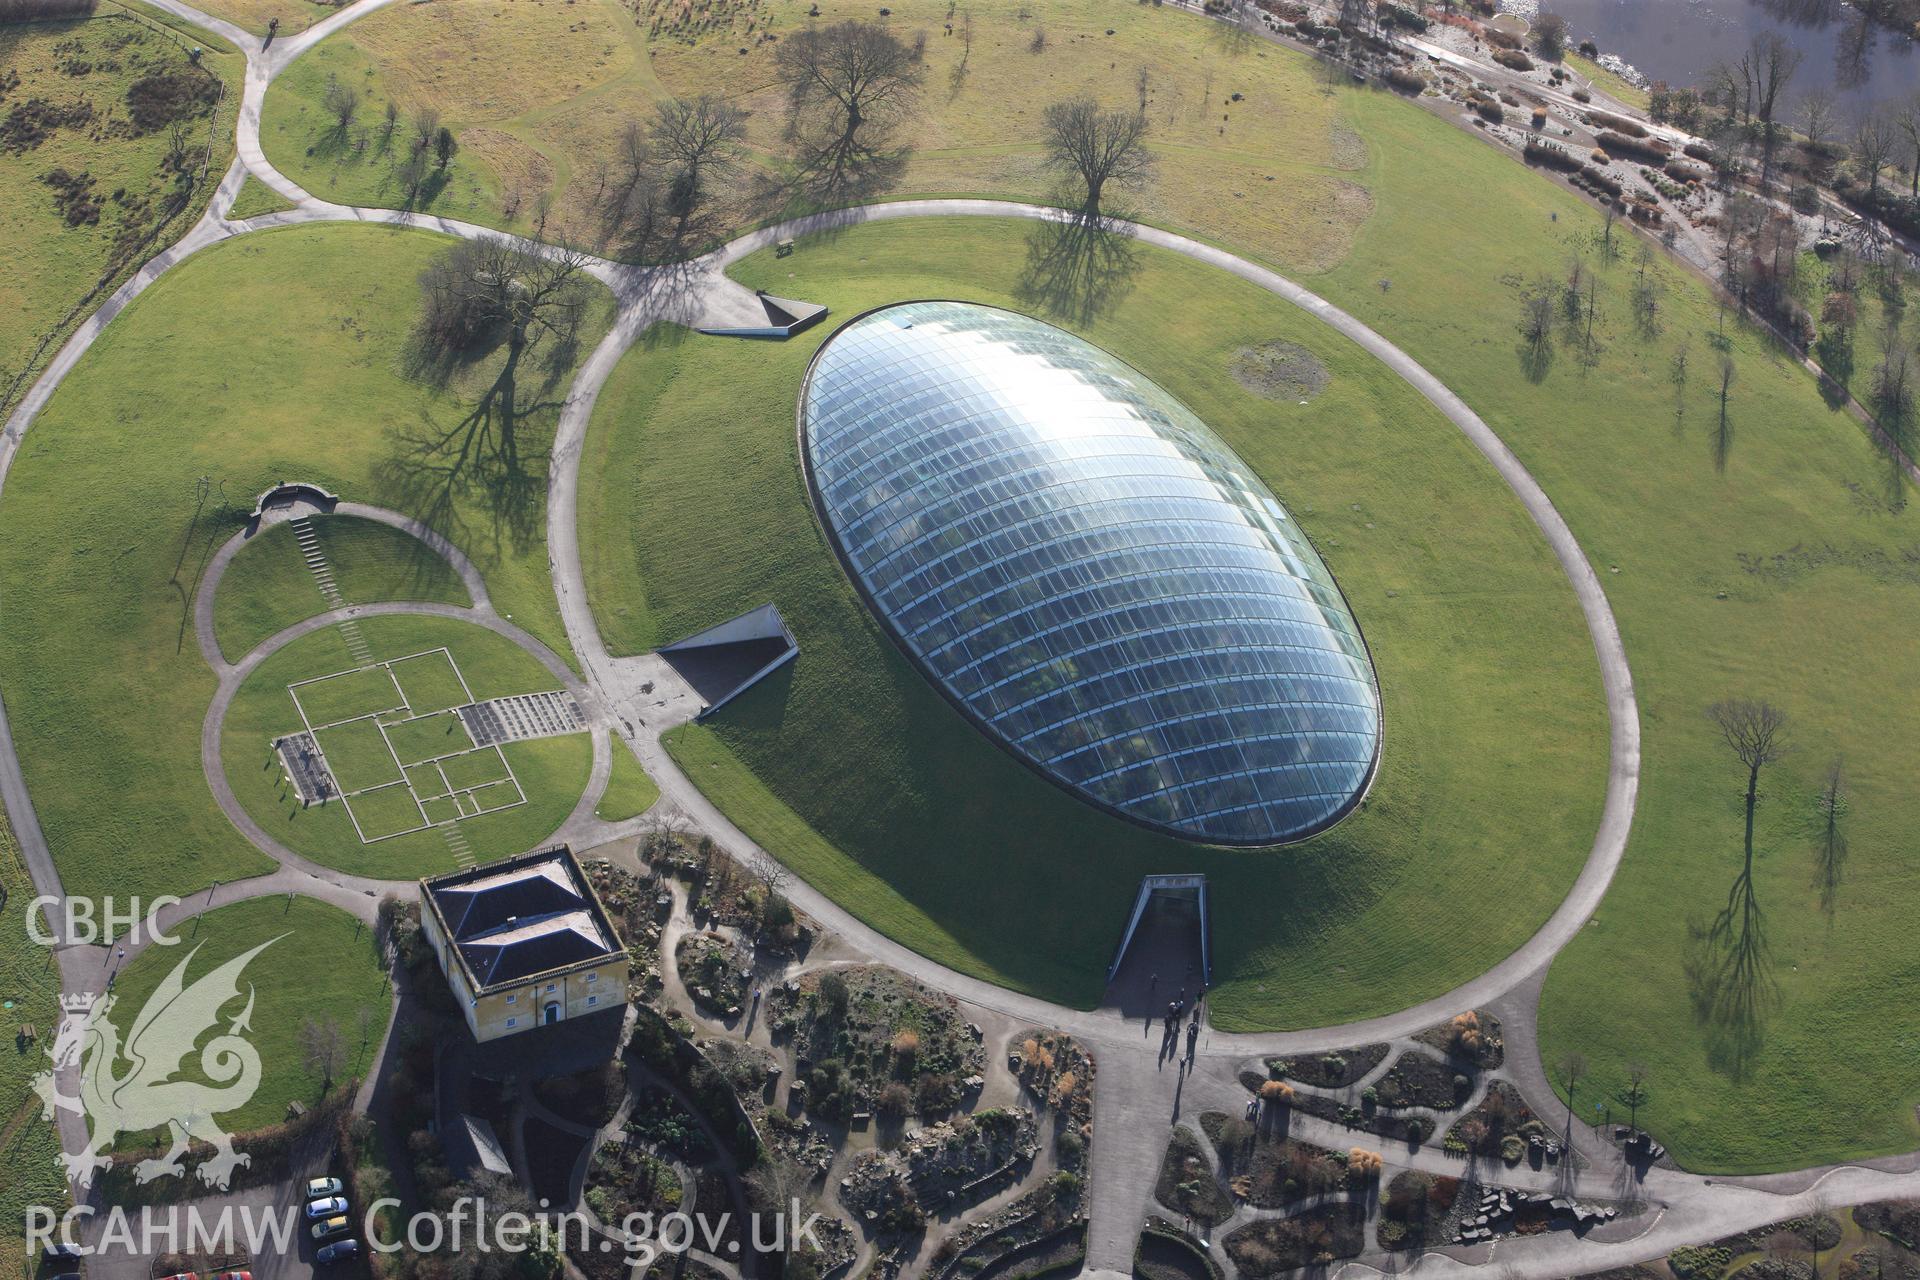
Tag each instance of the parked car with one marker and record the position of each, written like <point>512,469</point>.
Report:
<point>330,1227</point>
<point>338,1251</point>
<point>326,1207</point>
<point>318,1187</point>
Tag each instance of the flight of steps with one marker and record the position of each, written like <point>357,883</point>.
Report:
<point>329,589</point>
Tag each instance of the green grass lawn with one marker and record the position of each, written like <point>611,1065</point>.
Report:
<point>255,198</point>
<point>30,1172</point>
<point>852,768</point>
<point>1252,152</point>
<point>630,792</point>
<point>320,964</point>
<point>277,355</point>
<point>1781,575</point>
<point>47,264</point>
<point>552,771</point>
<point>269,587</point>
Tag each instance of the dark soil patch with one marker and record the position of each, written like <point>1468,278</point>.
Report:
<point>1275,1245</point>
<point>1163,1255</point>
<point>1336,1070</point>
<point>1186,1184</point>
<point>551,1155</point>
<point>1280,370</point>
<point>1419,1080</point>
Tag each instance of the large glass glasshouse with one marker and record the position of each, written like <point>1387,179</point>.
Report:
<point>1089,573</point>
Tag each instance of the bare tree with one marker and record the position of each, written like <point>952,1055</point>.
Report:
<point>1874,142</point>
<point>1572,1069</point>
<point>1773,63</point>
<point>1755,731</point>
<point>498,294</point>
<point>700,141</point>
<point>426,126</point>
<point>322,1049</point>
<point>848,85</point>
<point>342,102</point>
<point>1892,391</point>
<point>1097,149</point>
<point>1815,116</point>
<point>1635,1093</point>
<point>1906,118</point>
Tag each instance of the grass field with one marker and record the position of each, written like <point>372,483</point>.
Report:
<point>47,264</point>
<point>1777,575</point>
<point>269,586</point>
<point>349,989</point>
<point>272,356</point>
<point>1251,152</point>
<point>552,771</point>
<point>630,792</point>
<point>255,198</point>
<point>852,768</point>
<point>30,1172</point>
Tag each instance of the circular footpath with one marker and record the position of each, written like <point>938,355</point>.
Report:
<point>700,292</point>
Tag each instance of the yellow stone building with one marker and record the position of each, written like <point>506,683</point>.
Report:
<point>524,942</point>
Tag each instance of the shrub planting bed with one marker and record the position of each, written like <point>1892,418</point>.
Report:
<point>1484,1131</point>
<point>1416,1209</point>
<point>1186,1184</point>
<point>1267,1170</point>
<point>1419,1080</point>
<point>1473,1036</point>
<point>1336,1070</point>
<point>1273,1246</point>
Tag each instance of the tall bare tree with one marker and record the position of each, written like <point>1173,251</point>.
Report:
<point>1756,732</point>
<point>1097,150</point>
<point>1875,140</point>
<point>1772,61</point>
<point>1815,116</point>
<point>322,1049</point>
<point>1906,118</point>
<point>701,140</point>
<point>848,85</point>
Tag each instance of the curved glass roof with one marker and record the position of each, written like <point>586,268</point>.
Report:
<point>1090,573</point>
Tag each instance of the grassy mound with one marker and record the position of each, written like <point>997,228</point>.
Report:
<point>850,766</point>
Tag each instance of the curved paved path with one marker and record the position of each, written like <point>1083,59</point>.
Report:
<point>700,292</point>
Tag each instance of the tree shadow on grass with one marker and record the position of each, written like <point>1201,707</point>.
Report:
<point>439,469</point>
<point>1730,978</point>
<point>1079,266</point>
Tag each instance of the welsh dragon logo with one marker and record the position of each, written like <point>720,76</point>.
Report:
<point>145,1095</point>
